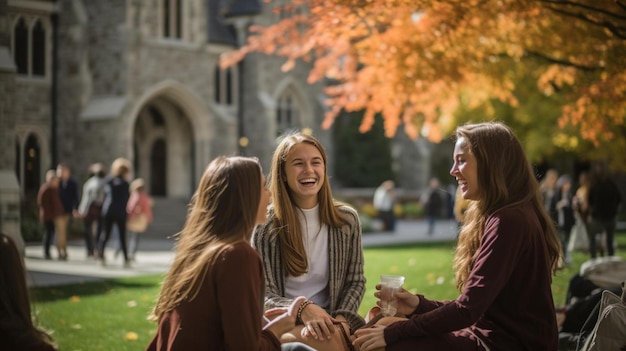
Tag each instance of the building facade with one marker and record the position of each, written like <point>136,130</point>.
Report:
<point>89,81</point>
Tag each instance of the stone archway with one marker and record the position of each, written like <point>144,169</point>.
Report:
<point>163,147</point>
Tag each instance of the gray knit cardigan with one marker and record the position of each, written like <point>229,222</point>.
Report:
<point>346,279</point>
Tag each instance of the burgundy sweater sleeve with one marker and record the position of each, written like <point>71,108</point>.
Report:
<point>492,268</point>
<point>240,294</point>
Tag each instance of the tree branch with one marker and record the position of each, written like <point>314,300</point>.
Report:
<point>617,31</point>
<point>586,7</point>
<point>561,62</point>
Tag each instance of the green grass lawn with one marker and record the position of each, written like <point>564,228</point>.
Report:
<point>112,314</point>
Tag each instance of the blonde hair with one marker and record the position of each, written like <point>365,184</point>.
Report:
<point>506,180</point>
<point>120,167</point>
<point>285,218</point>
<point>222,212</point>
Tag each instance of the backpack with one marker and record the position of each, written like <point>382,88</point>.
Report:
<point>609,333</point>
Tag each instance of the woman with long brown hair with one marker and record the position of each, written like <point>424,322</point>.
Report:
<point>17,330</point>
<point>507,252</point>
<point>211,298</point>
<point>311,244</point>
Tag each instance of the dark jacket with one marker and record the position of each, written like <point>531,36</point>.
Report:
<point>604,199</point>
<point>116,194</point>
<point>68,191</point>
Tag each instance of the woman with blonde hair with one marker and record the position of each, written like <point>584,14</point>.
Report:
<point>311,244</point>
<point>211,298</point>
<point>507,252</point>
<point>116,194</point>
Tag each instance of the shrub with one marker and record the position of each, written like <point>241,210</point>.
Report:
<point>413,210</point>
<point>31,228</point>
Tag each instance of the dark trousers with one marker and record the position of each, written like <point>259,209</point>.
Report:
<point>597,226</point>
<point>121,228</point>
<point>89,237</point>
<point>389,220</point>
<point>48,237</point>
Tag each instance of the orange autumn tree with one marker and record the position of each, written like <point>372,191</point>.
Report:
<point>415,61</point>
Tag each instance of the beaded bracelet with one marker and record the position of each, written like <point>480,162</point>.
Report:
<point>300,309</point>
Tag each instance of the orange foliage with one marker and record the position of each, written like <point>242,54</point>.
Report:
<point>412,60</point>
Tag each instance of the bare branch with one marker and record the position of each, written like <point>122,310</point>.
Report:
<point>585,6</point>
<point>562,62</point>
<point>619,32</point>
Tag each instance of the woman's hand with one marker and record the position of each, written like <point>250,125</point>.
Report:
<point>370,338</point>
<point>318,323</point>
<point>283,319</point>
<point>407,302</point>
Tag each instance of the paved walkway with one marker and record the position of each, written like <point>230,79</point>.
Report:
<point>156,255</point>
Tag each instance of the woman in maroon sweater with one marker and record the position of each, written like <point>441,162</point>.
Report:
<point>212,296</point>
<point>507,252</point>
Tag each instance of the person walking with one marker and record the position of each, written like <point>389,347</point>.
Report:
<point>310,244</point>
<point>384,201</point>
<point>139,211</point>
<point>604,199</point>
<point>68,191</point>
<point>549,192</point>
<point>116,194</point>
<point>433,202</point>
<point>50,213</point>
<point>90,207</point>
<point>211,297</point>
<point>506,255</point>
<point>564,205</point>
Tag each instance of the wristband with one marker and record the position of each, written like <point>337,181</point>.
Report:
<point>300,309</point>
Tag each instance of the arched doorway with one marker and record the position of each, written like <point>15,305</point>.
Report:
<point>158,168</point>
<point>163,148</point>
<point>32,166</point>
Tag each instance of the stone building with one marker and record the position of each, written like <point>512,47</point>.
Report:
<point>89,81</point>
<point>86,81</point>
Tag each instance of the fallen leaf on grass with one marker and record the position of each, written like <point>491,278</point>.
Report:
<point>76,326</point>
<point>75,298</point>
<point>131,336</point>
<point>131,304</point>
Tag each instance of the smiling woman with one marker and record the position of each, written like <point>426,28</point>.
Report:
<point>311,244</point>
<point>506,255</point>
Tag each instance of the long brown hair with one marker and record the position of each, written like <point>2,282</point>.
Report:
<point>284,207</point>
<point>222,212</point>
<point>15,313</point>
<point>506,179</point>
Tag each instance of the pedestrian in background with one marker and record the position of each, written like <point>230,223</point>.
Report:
<point>116,194</point>
<point>433,202</point>
<point>564,204</point>
<point>18,332</point>
<point>50,213</point>
<point>384,201</point>
<point>68,191</point>
<point>139,211</point>
<point>604,199</point>
<point>90,207</point>
<point>212,296</point>
<point>549,193</point>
